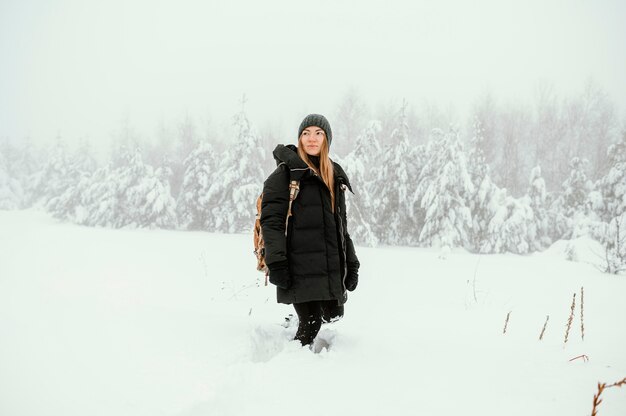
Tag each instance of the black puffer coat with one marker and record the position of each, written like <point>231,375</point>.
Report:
<point>317,251</point>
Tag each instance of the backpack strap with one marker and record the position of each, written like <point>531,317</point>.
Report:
<point>294,189</point>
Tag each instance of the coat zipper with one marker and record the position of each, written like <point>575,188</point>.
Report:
<point>343,249</point>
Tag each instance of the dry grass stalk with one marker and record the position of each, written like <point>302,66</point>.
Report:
<point>582,315</point>
<point>620,383</point>
<point>601,387</point>
<point>570,319</point>
<point>544,328</point>
<point>584,357</point>
<point>506,323</point>
<point>597,400</point>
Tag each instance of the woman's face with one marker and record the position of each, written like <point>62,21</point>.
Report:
<point>312,139</point>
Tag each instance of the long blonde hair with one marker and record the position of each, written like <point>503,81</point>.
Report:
<point>326,170</point>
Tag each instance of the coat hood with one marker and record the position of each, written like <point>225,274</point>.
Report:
<point>288,155</point>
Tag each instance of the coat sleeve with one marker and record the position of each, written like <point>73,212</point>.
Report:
<point>352,260</point>
<point>274,208</point>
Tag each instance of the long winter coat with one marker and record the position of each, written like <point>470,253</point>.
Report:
<point>317,251</point>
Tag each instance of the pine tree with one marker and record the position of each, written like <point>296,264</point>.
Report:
<point>69,204</point>
<point>615,245</point>
<point>512,228</point>
<point>100,199</point>
<point>613,185</point>
<point>576,188</point>
<point>537,197</point>
<point>130,195</point>
<point>18,164</point>
<point>239,180</point>
<point>25,163</point>
<point>186,141</point>
<point>393,217</point>
<point>483,204</point>
<point>358,168</point>
<point>193,207</point>
<point>11,193</point>
<point>144,199</point>
<point>160,207</point>
<point>53,179</point>
<point>444,190</point>
<point>571,211</point>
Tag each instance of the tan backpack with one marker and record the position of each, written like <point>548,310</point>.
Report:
<point>259,242</point>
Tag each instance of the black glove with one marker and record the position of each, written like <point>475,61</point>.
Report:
<point>352,280</point>
<point>280,277</point>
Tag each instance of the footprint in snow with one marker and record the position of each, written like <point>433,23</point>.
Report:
<point>324,340</point>
<point>269,340</point>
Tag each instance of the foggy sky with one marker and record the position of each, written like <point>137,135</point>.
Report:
<point>77,68</point>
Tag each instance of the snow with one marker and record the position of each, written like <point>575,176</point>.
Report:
<point>151,322</point>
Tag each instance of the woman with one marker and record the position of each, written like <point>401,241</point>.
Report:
<point>314,262</point>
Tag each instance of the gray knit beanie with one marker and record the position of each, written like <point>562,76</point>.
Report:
<point>316,120</point>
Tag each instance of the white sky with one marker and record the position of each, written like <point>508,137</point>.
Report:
<point>78,67</point>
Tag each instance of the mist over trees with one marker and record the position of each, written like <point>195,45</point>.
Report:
<point>510,178</point>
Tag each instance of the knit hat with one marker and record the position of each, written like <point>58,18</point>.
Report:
<point>316,120</point>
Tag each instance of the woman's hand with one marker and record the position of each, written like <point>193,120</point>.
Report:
<point>352,280</point>
<point>280,277</point>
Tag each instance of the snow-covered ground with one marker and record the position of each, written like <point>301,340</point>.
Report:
<point>149,322</point>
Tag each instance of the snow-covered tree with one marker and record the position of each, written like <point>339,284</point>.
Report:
<point>512,228</point>
<point>537,196</point>
<point>576,188</point>
<point>358,166</point>
<point>100,199</point>
<point>444,191</point>
<point>53,179</point>
<point>483,203</point>
<point>393,217</point>
<point>613,185</point>
<point>161,206</point>
<point>571,211</point>
<point>21,161</point>
<point>193,206</point>
<point>615,245</point>
<point>69,204</point>
<point>11,193</point>
<point>144,199</point>
<point>185,141</point>
<point>131,195</point>
<point>238,181</point>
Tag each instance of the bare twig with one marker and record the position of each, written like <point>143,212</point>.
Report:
<point>474,281</point>
<point>246,287</point>
<point>601,387</point>
<point>614,253</point>
<point>597,400</point>
<point>582,312</point>
<point>506,323</point>
<point>620,383</point>
<point>583,356</point>
<point>570,319</point>
<point>544,328</point>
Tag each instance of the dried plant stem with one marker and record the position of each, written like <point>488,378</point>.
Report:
<point>582,314</point>
<point>474,281</point>
<point>620,383</point>
<point>570,319</point>
<point>544,328</point>
<point>506,322</point>
<point>597,400</point>
<point>601,387</point>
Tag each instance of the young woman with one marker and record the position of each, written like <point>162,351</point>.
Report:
<point>313,263</point>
